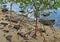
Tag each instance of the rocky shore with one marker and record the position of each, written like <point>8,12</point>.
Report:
<point>19,29</point>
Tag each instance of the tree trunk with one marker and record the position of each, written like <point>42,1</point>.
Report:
<point>36,24</point>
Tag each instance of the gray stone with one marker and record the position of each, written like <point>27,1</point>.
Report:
<point>42,30</point>
<point>9,38</point>
<point>13,19</point>
<point>6,31</point>
<point>17,27</point>
<point>2,23</point>
<point>4,10</point>
<point>23,35</point>
<point>47,22</point>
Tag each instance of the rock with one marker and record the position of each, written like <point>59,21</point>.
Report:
<point>42,30</point>
<point>32,34</point>
<point>26,41</point>
<point>9,38</point>
<point>23,35</point>
<point>2,19</point>
<point>13,19</point>
<point>6,16</point>
<point>6,31</point>
<point>17,27</point>
<point>30,27</point>
<point>1,28</point>
<point>47,22</point>
<point>4,23</point>
<point>0,24</point>
<point>45,15</point>
<point>2,38</point>
<point>4,10</point>
<point>10,26</point>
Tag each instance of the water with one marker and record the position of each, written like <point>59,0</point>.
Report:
<point>57,19</point>
<point>53,15</point>
<point>15,6</point>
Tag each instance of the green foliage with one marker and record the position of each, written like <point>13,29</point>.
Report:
<point>11,0</point>
<point>53,4</point>
<point>1,2</point>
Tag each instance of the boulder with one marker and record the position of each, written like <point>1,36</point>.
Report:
<point>47,22</point>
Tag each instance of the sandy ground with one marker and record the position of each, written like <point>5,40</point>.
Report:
<point>50,35</point>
